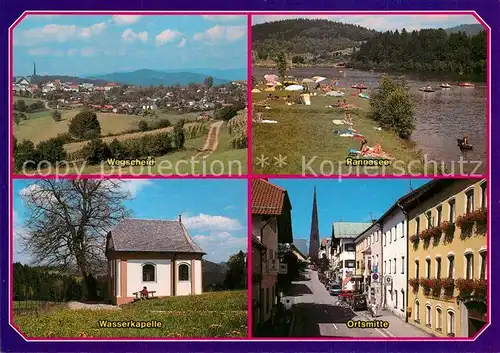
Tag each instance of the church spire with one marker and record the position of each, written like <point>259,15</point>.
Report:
<point>314,237</point>
<point>34,69</point>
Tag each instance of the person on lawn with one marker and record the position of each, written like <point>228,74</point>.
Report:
<point>144,293</point>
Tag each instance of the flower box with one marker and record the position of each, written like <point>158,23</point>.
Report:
<point>471,288</point>
<point>426,284</point>
<point>425,235</point>
<point>414,283</point>
<point>448,229</point>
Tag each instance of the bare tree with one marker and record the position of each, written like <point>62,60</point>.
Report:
<point>68,221</point>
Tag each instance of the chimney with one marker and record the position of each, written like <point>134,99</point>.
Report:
<point>180,218</point>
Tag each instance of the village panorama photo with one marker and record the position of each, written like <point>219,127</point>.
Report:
<point>129,94</point>
<point>129,258</point>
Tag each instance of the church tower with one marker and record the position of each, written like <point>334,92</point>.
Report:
<point>314,237</point>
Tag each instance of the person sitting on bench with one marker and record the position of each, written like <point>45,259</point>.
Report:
<point>465,141</point>
<point>144,293</point>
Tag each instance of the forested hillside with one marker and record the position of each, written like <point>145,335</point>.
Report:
<point>427,50</point>
<point>309,41</point>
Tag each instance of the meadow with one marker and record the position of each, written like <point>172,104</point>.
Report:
<point>305,133</point>
<point>40,126</point>
<point>212,314</point>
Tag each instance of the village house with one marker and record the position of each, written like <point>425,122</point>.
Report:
<point>447,265</point>
<point>271,225</point>
<point>344,251</point>
<point>395,256</point>
<point>21,83</point>
<point>157,254</point>
<point>368,263</point>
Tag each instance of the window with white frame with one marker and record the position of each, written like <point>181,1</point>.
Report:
<point>417,225</point>
<point>439,211</point>
<point>428,315</point>
<point>451,266</point>
<point>417,269</point>
<point>428,215</point>
<point>395,233</point>
<point>403,228</point>
<point>394,266</point>
<point>439,319</point>
<point>451,214</point>
<point>148,272</point>
<point>469,197</point>
<point>402,300</point>
<point>450,323</point>
<point>483,196</point>
<point>402,264</point>
<point>183,272</point>
<point>469,266</point>
<point>482,271</point>
<point>428,268</point>
<point>416,315</point>
<point>390,266</point>
<point>438,267</point>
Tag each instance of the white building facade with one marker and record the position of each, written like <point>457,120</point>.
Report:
<point>395,257</point>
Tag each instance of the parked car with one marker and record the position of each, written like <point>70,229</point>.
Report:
<point>335,289</point>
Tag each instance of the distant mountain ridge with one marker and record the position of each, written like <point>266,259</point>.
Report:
<point>470,29</point>
<point>147,77</point>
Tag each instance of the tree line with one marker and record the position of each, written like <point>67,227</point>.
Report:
<point>45,284</point>
<point>310,38</point>
<point>427,50</point>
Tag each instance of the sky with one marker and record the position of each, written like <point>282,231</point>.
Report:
<point>385,22</point>
<point>213,211</point>
<point>89,44</point>
<point>348,200</point>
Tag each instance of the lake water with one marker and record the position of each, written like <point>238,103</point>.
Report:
<point>441,116</point>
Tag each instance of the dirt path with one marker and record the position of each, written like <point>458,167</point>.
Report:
<point>212,141</point>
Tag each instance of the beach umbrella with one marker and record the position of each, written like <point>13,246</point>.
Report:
<point>319,79</point>
<point>294,88</point>
<point>271,78</point>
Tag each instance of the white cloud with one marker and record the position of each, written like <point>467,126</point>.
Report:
<point>230,207</point>
<point>126,19</point>
<point>182,43</point>
<point>88,52</point>
<point>134,186</point>
<point>57,33</point>
<point>168,36</point>
<point>220,245</point>
<point>72,52</point>
<point>211,223</point>
<point>224,18</point>
<point>383,22</point>
<point>130,36</point>
<point>44,51</point>
<point>219,33</point>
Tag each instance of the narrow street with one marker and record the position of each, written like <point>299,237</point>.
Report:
<point>316,315</point>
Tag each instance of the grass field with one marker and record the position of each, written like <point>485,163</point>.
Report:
<point>44,127</point>
<point>216,314</point>
<point>225,160</point>
<point>305,133</point>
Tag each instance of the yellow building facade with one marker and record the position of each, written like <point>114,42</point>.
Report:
<point>447,266</point>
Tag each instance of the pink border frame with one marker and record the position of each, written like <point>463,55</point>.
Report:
<point>250,176</point>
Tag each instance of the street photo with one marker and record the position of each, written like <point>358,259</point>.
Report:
<point>129,94</point>
<point>369,95</point>
<point>142,258</point>
<point>408,259</point>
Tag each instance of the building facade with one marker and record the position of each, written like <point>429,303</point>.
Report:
<point>368,263</point>
<point>156,254</point>
<point>447,257</point>
<point>271,225</point>
<point>344,251</point>
<point>394,264</point>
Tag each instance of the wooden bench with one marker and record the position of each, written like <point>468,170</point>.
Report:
<point>139,296</point>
